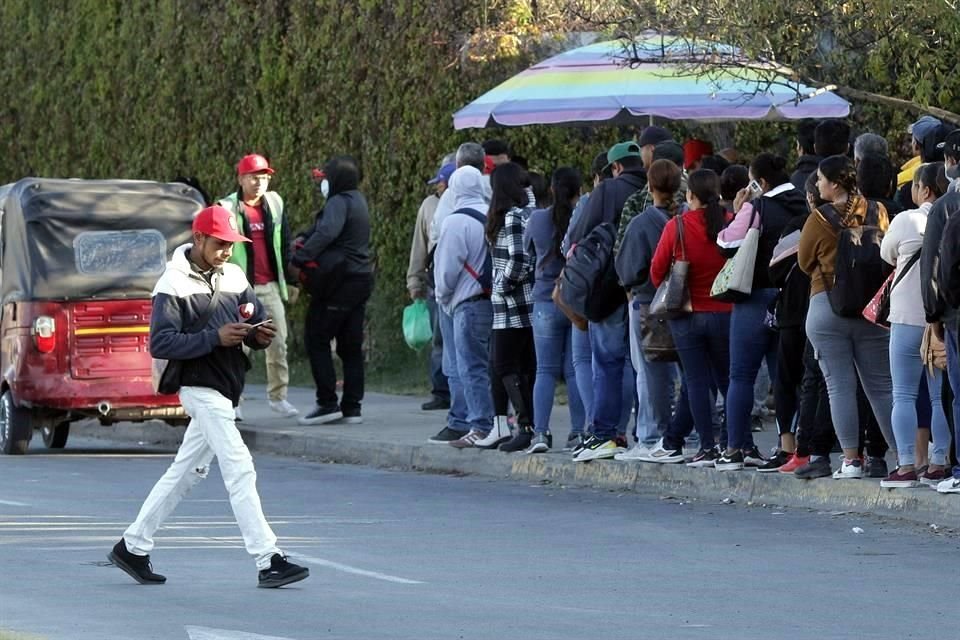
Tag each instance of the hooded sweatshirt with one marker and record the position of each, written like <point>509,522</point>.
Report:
<point>180,298</point>
<point>636,252</point>
<point>343,225</point>
<point>818,242</point>
<point>461,241</point>
<point>770,213</point>
<point>447,205</point>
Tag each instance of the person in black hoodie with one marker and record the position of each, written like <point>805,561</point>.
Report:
<point>751,338</point>
<point>340,239</point>
<point>608,337</point>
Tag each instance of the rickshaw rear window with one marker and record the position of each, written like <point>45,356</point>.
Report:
<point>134,252</point>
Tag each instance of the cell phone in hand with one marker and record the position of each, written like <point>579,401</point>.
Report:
<point>254,326</point>
<point>755,189</point>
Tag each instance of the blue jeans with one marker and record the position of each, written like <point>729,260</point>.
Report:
<point>656,383</point>
<point>472,324</point>
<point>750,343</point>
<point>552,341</point>
<point>582,358</point>
<point>438,382</point>
<point>608,342</point>
<point>906,367</point>
<point>703,343</point>
<point>457,415</point>
<point>953,375</point>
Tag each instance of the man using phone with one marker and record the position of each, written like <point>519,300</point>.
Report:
<point>200,283</point>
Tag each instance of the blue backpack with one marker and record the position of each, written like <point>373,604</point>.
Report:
<point>485,277</point>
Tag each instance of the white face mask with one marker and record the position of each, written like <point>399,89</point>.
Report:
<point>325,188</point>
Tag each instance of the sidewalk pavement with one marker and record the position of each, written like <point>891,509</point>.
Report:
<point>395,431</point>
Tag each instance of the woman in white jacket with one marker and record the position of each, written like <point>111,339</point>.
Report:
<point>901,248</point>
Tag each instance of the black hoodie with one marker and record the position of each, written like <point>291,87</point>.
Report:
<point>806,164</point>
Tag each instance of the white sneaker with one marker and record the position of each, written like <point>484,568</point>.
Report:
<point>639,451</point>
<point>284,408</point>
<point>950,485</point>
<point>237,414</point>
<point>499,433</point>
<point>662,455</point>
<point>849,470</point>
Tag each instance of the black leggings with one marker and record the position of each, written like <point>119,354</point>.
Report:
<point>513,365</point>
<point>815,433</point>
<point>788,382</point>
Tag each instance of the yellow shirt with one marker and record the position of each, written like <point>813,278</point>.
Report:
<point>907,170</point>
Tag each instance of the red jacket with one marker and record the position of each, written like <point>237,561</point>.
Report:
<point>702,253</point>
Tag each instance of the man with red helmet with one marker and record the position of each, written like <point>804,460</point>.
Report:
<point>259,214</point>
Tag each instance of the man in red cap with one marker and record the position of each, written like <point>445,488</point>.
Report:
<point>203,311</point>
<point>259,213</point>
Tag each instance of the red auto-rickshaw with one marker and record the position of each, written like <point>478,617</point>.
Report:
<point>78,262</point>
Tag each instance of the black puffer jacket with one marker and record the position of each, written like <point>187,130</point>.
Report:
<point>794,284</point>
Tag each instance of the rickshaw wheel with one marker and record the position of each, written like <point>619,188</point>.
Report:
<point>16,428</point>
<point>55,436</point>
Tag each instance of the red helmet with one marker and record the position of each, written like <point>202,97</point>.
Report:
<point>253,163</point>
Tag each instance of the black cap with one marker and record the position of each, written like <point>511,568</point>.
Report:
<point>951,145</point>
<point>652,135</point>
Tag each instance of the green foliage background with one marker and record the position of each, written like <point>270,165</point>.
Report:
<point>158,88</point>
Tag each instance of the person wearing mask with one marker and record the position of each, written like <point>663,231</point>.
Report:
<point>901,248</point>
<point>702,337</point>
<point>260,215</point>
<point>552,330</point>
<point>751,339</point>
<point>461,263</point>
<point>656,381</point>
<point>608,337</point>
<point>847,348</point>
<point>420,285</point>
<point>951,160</point>
<point>340,235</point>
<point>513,360</point>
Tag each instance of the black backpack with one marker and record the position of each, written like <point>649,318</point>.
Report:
<point>859,271</point>
<point>590,286</point>
<point>485,277</point>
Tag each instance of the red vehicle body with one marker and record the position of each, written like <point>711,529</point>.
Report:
<point>79,259</point>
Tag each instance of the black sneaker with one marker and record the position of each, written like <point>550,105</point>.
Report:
<point>321,415</point>
<point>281,572</point>
<point>574,442</point>
<point>436,404</point>
<point>446,436</point>
<point>752,457</point>
<point>352,416</point>
<point>876,467</point>
<point>137,567</point>
<point>779,459</point>
<point>815,469</point>
<point>704,458</point>
<point>732,462</point>
<point>520,440</point>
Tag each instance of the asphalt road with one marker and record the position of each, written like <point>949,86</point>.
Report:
<point>404,555</point>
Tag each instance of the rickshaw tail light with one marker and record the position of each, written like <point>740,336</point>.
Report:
<point>45,334</point>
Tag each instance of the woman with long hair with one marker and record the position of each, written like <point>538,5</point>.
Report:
<point>512,358</point>
<point>847,348</point>
<point>702,337</point>
<point>552,330</point>
<point>751,339</point>
<point>901,248</point>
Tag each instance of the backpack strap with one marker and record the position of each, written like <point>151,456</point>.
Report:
<point>473,213</point>
<point>831,215</point>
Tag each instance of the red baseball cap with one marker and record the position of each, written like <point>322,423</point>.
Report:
<point>218,222</point>
<point>694,150</point>
<point>253,163</point>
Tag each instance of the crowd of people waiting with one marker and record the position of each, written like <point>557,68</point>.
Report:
<point>841,278</point>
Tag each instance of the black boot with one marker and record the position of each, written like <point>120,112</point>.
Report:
<point>520,396</point>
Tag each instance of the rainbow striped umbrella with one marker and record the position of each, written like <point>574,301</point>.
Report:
<point>596,84</point>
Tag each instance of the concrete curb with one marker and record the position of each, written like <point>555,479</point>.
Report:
<point>856,496</point>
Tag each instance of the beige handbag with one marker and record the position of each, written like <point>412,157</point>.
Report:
<point>932,350</point>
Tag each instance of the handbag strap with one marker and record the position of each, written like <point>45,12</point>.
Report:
<point>679,240</point>
<point>204,317</point>
<point>906,268</point>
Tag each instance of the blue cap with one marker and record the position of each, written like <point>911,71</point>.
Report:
<point>443,175</point>
<point>922,127</point>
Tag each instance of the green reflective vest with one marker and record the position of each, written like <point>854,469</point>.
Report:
<point>272,207</point>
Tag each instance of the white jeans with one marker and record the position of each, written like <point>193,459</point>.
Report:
<point>211,432</point>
